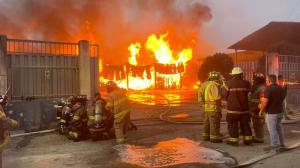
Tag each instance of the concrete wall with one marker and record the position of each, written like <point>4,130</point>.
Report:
<point>88,70</point>
<point>3,64</point>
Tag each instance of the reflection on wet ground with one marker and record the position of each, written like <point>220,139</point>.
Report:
<point>146,99</point>
<point>170,153</point>
<point>174,97</point>
<point>180,115</point>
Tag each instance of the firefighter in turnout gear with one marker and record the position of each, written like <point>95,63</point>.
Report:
<point>66,115</point>
<point>78,129</point>
<point>210,96</point>
<point>6,125</point>
<point>118,103</point>
<point>100,120</point>
<point>257,92</point>
<point>236,95</point>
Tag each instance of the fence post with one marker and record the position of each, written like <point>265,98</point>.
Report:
<point>86,81</point>
<point>3,64</point>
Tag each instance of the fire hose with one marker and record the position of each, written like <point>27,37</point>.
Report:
<point>163,116</point>
<point>162,119</point>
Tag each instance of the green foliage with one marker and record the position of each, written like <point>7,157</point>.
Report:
<point>219,62</point>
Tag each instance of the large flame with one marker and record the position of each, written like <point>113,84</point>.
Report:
<point>134,53</point>
<point>160,48</point>
<point>164,55</point>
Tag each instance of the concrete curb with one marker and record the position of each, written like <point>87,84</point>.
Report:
<point>267,155</point>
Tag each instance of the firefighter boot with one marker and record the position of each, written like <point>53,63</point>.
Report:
<point>216,140</point>
<point>232,141</point>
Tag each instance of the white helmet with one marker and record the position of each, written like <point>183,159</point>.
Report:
<point>3,99</point>
<point>236,71</point>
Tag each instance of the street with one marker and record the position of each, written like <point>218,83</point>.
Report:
<point>174,142</point>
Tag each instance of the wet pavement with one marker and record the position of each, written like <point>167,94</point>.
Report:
<point>156,143</point>
<point>171,152</point>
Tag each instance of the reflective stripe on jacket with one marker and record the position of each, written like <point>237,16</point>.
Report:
<point>210,95</point>
<point>118,102</point>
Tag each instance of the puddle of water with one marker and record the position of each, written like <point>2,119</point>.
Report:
<point>170,153</point>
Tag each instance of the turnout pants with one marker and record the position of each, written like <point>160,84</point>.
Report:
<point>121,124</point>
<point>236,120</point>
<point>211,129</point>
<point>119,131</point>
<point>258,128</point>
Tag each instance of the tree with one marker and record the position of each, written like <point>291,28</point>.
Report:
<point>219,62</point>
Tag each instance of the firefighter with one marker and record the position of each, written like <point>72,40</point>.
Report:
<point>257,92</point>
<point>210,95</point>
<point>6,125</point>
<point>119,104</point>
<point>236,95</point>
<point>100,120</point>
<point>78,129</point>
<point>66,115</point>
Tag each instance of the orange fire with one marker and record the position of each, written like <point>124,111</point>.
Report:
<point>163,54</point>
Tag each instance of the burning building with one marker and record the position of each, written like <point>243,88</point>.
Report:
<point>165,71</point>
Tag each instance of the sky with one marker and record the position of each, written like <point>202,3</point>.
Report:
<point>234,19</point>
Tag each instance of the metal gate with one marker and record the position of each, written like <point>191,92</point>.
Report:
<point>43,69</point>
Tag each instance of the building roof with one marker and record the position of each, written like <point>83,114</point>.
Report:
<point>283,37</point>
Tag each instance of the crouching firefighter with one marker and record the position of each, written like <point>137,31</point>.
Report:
<point>238,115</point>
<point>118,103</point>
<point>257,92</point>
<point>100,120</point>
<point>210,95</point>
<point>66,115</point>
<point>78,125</point>
<point>6,125</point>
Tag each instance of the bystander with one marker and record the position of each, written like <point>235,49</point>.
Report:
<point>272,103</point>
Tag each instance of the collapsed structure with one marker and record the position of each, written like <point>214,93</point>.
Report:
<point>165,71</point>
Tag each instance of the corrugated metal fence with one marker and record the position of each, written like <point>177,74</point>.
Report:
<point>42,69</point>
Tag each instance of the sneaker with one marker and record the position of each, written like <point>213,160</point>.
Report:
<point>282,149</point>
<point>269,148</point>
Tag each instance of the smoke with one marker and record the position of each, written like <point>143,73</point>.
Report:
<point>113,24</point>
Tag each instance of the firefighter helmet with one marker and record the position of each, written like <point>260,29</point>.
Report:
<point>214,75</point>
<point>3,100</point>
<point>236,71</point>
<point>258,78</point>
<point>71,100</point>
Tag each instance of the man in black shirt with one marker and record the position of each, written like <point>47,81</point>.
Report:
<point>273,105</point>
